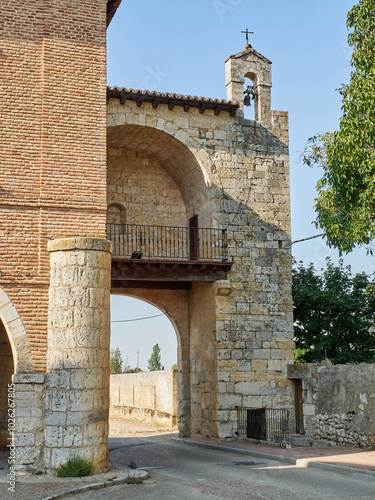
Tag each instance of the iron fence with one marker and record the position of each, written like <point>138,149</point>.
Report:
<point>168,242</point>
<point>264,424</point>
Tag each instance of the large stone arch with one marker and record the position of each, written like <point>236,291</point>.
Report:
<point>177,153</point>
<point>16,333</point>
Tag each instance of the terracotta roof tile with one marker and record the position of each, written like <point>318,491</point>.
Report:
<point>171,99</point>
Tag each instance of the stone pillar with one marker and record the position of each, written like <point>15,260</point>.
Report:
<point>26,413</point>
<point>77,387</point>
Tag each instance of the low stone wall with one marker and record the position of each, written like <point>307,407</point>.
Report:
<point>146,396</point>
<point>338,402</point>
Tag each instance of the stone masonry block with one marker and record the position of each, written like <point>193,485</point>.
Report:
<point>59,379</point>
<point>73,436</point>
<point>53,437</point>
<point>24,439</point>
<point>28,378</point>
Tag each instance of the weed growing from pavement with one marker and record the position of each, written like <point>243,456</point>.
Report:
<point>133,465</point>
<point>75,467</point>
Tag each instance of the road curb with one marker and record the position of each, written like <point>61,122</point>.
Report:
<point>299,462</point>
<point>100,484</point>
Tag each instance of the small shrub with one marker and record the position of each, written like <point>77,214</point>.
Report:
<point>133,465</point>
<point>75,467</point>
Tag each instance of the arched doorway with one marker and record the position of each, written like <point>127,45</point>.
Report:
<point>6,373</point>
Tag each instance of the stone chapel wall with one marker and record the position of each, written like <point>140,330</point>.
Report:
<point>241,358</point>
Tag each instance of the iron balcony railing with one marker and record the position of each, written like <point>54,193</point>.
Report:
<point>168,242</point>
<point>264,424</point>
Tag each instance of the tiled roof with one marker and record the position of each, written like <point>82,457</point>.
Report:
<point>172,100</point>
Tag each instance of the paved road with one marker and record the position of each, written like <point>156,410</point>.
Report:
<point>181,472</point>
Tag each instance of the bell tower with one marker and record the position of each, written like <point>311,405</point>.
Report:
<point>250,64</point>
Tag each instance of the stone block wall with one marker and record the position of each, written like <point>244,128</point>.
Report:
<point>338,402</point>
<point>147,193</point>
<point>234,174</point>
<point>145,394</point>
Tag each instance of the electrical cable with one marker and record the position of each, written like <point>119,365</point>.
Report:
<point>137,319</point>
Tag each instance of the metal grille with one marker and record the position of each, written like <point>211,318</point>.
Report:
<point>264,424</point>
<point>168,242</point>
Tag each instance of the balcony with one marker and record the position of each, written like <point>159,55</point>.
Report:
<point>174,256</point>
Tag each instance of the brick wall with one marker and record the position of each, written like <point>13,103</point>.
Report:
<point>52,172</point>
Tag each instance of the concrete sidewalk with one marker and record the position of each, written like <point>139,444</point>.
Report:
<point>342,459</point>
<point>50,487</point>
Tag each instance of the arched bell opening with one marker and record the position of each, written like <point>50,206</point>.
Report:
<point>251,96</point>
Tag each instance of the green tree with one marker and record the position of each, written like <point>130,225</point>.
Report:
<point>333,314</point>
<point>116,361</point>
<point>345,204</point>
<point>154,363</point>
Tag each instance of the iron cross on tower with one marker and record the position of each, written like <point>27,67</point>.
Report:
<point>247,33</point>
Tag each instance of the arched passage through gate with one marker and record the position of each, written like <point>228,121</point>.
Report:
<point>169,324</point>
<point>136,326</point>
<point>156,180</point>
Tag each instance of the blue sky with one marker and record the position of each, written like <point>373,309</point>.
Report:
<point>174,46</point>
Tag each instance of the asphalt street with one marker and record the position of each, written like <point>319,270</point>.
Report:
<point>181,472</point>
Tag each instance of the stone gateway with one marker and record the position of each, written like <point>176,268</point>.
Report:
<point>177,200</point>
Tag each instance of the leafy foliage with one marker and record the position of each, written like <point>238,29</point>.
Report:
<point>133,370</point>
<point>345,204</point>
<point>333,314</point>
<point>76,467</point>
<point>154,363</point>
<point>115,361</point>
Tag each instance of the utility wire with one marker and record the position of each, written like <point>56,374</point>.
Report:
<point>137,319</point>
<point>310,238</point>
